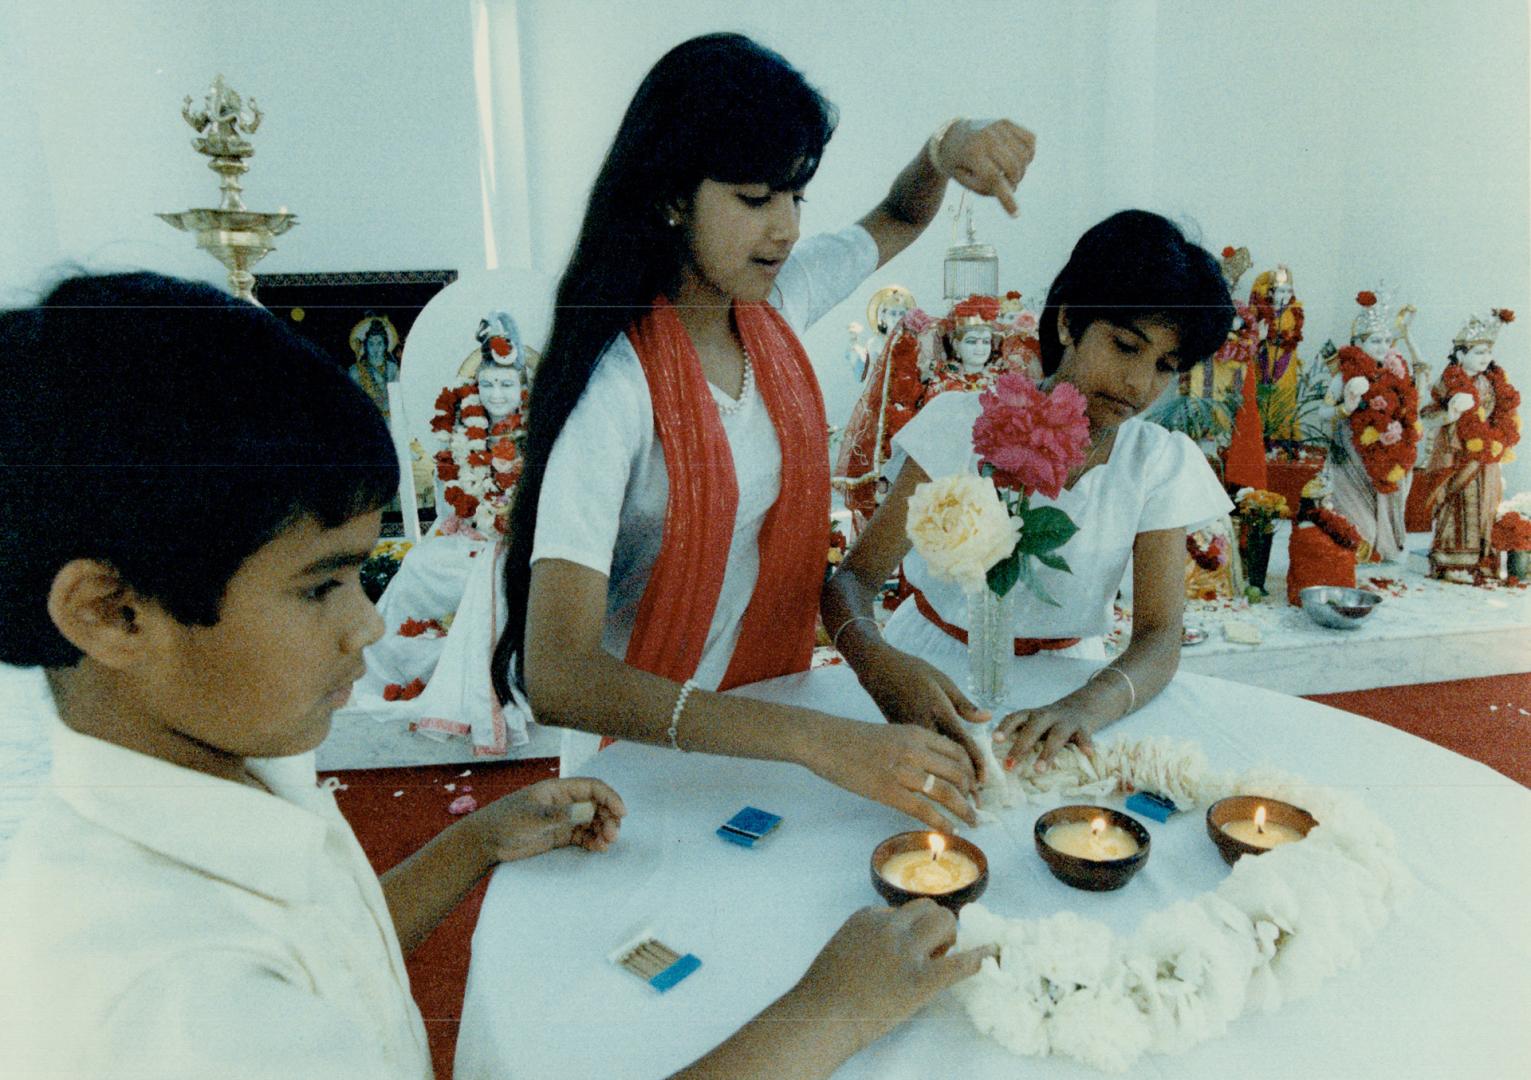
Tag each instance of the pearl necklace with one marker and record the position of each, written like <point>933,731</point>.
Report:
<point>728,406</point>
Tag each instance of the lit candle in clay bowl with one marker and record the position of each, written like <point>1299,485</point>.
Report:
<point>1091,847</point>
<point>1252,825</point>
<point>948,869</point>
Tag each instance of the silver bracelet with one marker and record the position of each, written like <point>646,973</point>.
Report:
<point>680,703</point>
<point>834,640</point>
<point>933,147</point>
<point>1132,691</point>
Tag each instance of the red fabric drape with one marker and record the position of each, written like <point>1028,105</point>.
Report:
<point>677,606</point>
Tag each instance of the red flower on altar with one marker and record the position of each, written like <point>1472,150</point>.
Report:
<point>1228,252</point>
<point>1366,298</point>
<point>1511,533</point>
<point>499,346</point>
<point>1031,439</point>
<point>476,434</point>
<point>984,307</point>
<point>1505,315</point>
<point>408,692</point>
<point>1013,294</point>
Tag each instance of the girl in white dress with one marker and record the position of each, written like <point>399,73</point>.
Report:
<point>668,535</point>
<point>1136,304</point>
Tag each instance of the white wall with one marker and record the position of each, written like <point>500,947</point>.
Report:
<point>369,132</point>
<point>1353,141</point>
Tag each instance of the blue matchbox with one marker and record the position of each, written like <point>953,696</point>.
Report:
<point>748,826</point>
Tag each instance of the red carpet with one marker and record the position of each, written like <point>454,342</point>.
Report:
<point>394,811</point>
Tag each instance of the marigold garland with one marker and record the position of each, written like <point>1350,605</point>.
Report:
<point>471,469</point>
<point>1336,527</point>
<point>1385,425</point>
<point>1485,438</point>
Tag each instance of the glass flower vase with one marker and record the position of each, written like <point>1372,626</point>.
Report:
<point>990,646</point>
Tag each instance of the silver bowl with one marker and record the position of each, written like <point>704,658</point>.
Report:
<point>1337,608</point>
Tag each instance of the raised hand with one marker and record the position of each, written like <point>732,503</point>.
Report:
<point>990,160</point>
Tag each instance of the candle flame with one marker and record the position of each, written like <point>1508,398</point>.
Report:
<point>1259,819</point>
<point>937,845</point>
<point>1097,826</point>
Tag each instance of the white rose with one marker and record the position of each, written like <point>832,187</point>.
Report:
<point>960,527</point>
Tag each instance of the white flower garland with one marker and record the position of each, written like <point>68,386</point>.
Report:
<point>1273,931</point>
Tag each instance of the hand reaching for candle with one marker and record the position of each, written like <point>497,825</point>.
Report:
<point>548,815</point>
<point>912,769</point>
<point>885,964</point>
<point>881,967</point>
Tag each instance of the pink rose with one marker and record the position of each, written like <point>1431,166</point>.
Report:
<point>1031,439</point>
<point>1392,434</point>
<point>1394,363</point>
<point>1379,403</point>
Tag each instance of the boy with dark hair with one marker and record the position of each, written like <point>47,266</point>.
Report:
<point>188,491</point>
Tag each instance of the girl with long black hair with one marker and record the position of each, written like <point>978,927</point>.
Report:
<point>668,535</point>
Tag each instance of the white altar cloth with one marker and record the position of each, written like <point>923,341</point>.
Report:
<point>1443,990</point>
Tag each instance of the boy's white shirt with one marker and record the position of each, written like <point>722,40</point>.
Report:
<point>156,921</point>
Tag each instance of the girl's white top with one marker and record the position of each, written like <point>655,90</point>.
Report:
<point>1154,479</point>
<point>605,489</point>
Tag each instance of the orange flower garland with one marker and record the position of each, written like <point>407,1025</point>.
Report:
<point>1336,527</point>
<point>1386,424</point>
<point>1512,533</point>
<point>1485,438</point>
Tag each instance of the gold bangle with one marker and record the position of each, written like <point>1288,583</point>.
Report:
<point>834,641</point>
<point>1132,691</point>
<point>933,147</point>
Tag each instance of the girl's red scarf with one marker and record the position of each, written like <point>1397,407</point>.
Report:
<point>676,610</point>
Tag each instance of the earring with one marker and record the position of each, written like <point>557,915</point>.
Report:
<point>672,221</point>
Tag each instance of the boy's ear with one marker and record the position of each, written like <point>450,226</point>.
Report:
<point>1065,335</point>
<point>98,614</point>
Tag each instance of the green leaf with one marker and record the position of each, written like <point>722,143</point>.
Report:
<point>1029,579</point>
<point>1046,528</point>
<point>1003,575</point>
<point>1057,562</point>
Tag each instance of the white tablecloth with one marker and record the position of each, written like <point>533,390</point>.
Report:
<point>1443,990</point>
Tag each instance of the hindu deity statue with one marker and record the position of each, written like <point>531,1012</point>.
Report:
<point>1378,427</point>
<point>375,344</point>
<point>972,335</point>
<point>1278,328</point>
<point>480,422</point>
<point>1480,424</point>
<point>898,369</point>
<point>885,310</point>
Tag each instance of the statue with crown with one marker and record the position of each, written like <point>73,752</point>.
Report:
<point>1278,320</point>
<point>438,610</point>
<point>912,357</point>
<point>1378,426</point>
<point>1481,424</point>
